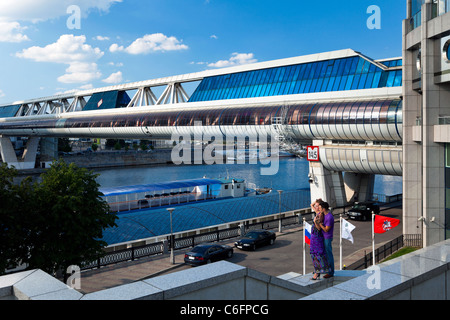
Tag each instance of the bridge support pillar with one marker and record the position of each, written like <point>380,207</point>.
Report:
<point>9,155</point>
<point>326,185</point>
<point>359,186</point>
<point>339,188</point>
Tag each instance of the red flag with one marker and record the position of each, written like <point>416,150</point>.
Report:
<point>383,224</point>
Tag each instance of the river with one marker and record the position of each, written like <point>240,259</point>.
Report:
<point>292,174</point>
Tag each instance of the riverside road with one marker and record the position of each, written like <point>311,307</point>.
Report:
<point>284,256</point>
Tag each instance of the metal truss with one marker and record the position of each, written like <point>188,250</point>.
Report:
<point>173,93</point>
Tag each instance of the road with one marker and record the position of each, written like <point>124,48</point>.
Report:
<point>286,254</point>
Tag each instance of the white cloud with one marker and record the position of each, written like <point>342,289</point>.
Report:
<point>115,64</point>
<point>71,50</point>
<point>150,43</point>
<point>87,86</point>
<point>1,94</point>
<point>114,78</point>
<point>79,72</point>
<point>11,31</point>
<point>41,10</point>
<point>13,14</point>
<point>115,47</point>
<point>235,60</point>
<point>101,38</point>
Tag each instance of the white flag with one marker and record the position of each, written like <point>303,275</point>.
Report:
<point>347,229</point>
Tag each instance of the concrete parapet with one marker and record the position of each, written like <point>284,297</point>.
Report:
<point>420,275</point>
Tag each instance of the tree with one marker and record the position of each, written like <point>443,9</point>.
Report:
<point>72,216</point>
<point>57,222</point>
<point>15,222</point>
<point>8,196</point>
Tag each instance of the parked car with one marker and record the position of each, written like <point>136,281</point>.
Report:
<point>363,210</point>
<point>207,253</point>
<point>255,238</point>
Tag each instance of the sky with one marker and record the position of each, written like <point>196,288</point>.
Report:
<point>49,47</point>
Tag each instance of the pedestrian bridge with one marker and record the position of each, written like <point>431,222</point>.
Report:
<point>347,104</point>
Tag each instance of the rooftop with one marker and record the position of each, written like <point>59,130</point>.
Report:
<point>420,275</point>
<point>180,184</point>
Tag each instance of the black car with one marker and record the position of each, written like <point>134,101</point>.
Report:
<point>363,210</point>
<point>255,238</point>
<point>207,253</point>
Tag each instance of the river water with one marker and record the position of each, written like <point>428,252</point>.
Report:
<point>292,174</point>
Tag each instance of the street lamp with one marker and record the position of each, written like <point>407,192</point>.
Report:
<point>279,209</point>
<point>172,257</point>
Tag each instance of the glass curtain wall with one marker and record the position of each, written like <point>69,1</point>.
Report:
<point>351,73</point>
<point>9,111</point>
<point>440,7</point>
<point>416,13</point>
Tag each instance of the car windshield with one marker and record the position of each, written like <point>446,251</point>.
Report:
<point>359,207</point>
<point>252,235</point>
<point>199,249</point>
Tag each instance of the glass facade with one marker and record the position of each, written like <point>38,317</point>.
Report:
<point>416,13</point>
<point>107,100</point>
<point>9,111</point>
<point>377,120</point>
<point>447,52</point>
<point>366,120</point>
<point>439,7</point>
<point>323,76</point>
<point>393,63</point>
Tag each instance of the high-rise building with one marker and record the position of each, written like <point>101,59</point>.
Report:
<point>426,120</point>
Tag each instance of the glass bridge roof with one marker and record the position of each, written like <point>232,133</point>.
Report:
<point>350,73</point>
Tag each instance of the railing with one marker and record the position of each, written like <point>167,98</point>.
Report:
<point>153,249</point>
<point>156,248</point>
<point>411,240</point>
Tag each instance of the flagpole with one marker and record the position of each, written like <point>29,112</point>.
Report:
<point>304,246</point>
<point>373,238</point>
<point>340,241</point>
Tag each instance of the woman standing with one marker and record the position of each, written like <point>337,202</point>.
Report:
<point>317,248</point>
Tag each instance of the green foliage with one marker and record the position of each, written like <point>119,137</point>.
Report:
<point>56,222</point>
<point>117,146</point>
<point>400,252</point>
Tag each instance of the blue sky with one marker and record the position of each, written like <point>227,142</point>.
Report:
<point>121,41</point>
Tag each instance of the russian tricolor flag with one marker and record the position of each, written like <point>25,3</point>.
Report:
<point>307,231</point>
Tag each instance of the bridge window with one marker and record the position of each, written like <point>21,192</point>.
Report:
<point>361,112</point>
<point>384,112</point>
<point>322,76</point>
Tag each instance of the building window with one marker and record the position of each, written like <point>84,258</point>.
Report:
<point>446,51</point>
<point>416,13</point>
